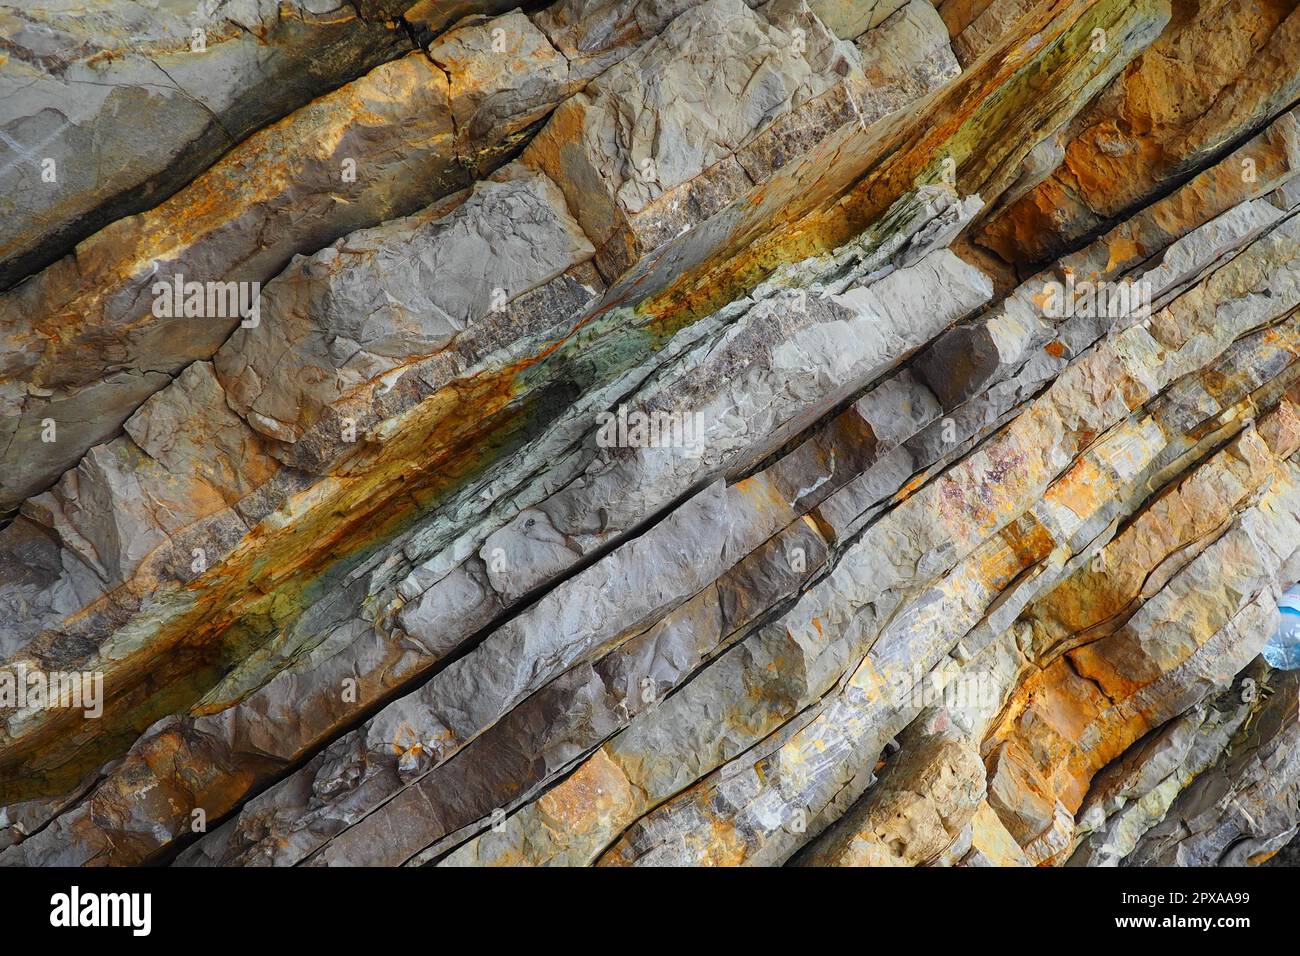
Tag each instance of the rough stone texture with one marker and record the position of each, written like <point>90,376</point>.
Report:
<point>73,71</point>
<point>977,25</point>
<point>735,94</point>
<point>380,147</point>
<point>696,438</point>
<point>1220,71</point>
<point>847,19</point>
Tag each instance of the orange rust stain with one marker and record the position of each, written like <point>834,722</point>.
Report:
<point>596,789</point>
<point>887,161</point>
<point>1215,381</point>
<point>259,584</point>
<point>911,486</point>
<point>1123,250</point>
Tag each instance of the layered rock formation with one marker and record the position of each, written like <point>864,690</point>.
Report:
<point>630,432</point>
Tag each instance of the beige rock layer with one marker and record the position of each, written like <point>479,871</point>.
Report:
<point>699,489</point>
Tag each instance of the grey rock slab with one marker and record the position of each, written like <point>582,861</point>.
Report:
<point>630,154</point>
<point>381,147</point>
<point>1244,806</point>
<point>574,713</point>
<point>367,306</point>
<point>74,70</point>
<point>579,622</point>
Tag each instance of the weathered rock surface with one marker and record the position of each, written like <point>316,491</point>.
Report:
<point>1217,73</point>
<point>109,107</point>
<point>702,433</point>
<point>381,147</point>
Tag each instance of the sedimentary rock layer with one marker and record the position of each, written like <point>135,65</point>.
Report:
<point>689,433</point>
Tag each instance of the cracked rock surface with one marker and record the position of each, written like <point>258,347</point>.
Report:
<point>649,432</point>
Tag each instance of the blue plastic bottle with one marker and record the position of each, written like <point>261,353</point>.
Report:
<point>1283,649</point>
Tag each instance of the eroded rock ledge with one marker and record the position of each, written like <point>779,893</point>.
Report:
<point>691,433</point>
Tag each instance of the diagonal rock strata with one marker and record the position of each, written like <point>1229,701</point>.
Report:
<point>196,82</point>
<point>703,433</point>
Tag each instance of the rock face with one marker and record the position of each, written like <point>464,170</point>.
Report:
<point>629,432</point>
<point>109,107</point>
